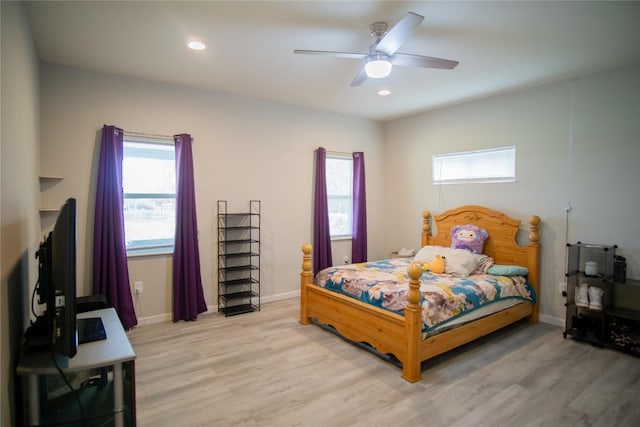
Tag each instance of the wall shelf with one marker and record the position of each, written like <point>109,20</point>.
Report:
<point>46,212</point>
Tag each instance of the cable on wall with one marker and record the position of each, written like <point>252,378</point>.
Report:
<point>567,208</point>
<point>139,305</point>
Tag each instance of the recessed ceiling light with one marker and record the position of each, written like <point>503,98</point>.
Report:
<point>196,45</point>
<point>384,92</point>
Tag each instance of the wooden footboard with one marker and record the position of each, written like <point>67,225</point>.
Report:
<point>385,331</point>
<point>401,336</point>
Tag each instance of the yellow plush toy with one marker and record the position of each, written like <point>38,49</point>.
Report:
<point>435,266</point>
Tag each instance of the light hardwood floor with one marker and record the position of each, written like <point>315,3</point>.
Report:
<point>266,369</point>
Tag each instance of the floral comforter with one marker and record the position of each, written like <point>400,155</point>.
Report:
<point>445,297</point>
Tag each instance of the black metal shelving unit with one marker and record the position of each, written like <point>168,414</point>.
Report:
<point>623,320</point>
<point>616,325</point>
<point>238,259</point>
<point>582,322</point>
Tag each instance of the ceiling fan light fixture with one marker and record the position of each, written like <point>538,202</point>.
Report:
<point>378,66</point>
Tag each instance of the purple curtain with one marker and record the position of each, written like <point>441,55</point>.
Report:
<point>321,234</point>
<point>359,240</point>
<point>110,270</point>
<point>188,296</point>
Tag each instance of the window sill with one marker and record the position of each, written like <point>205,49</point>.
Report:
<point>337,238</point>
<point>149,252</point>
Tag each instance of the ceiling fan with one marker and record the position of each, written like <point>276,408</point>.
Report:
<point>383,53</point>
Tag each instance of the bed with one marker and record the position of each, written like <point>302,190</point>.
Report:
<point>402,333</point>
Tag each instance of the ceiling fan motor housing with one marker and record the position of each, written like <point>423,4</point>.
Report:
<point>379,29</point>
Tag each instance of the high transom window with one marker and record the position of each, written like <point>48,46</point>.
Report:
<point>484,166</point>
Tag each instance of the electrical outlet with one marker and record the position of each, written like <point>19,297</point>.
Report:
<point>138,286</point>
<point>562,287</point>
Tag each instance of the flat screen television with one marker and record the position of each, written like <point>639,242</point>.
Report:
<point>56,327</point>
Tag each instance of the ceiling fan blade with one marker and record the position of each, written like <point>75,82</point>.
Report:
<point>397,35</point>
<point>348,55</point>
<point>360,77</point>
<point>422,61</point>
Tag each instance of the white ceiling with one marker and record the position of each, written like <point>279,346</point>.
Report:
<point>501,46</point>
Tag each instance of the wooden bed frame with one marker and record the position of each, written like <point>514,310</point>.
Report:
<point>401,336</point>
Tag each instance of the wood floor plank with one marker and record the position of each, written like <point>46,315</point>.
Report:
<point>265,369</point>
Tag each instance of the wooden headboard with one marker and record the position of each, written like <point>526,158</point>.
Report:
<point>501,244</point>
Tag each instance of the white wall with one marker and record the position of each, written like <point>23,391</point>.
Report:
<point>19,192</point>
<point>243,149</point>
<point>248,148</point>
<point>603,183</point>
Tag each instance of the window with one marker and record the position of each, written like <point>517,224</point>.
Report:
<point>149,186</point>
<point>491,165</point>
<point>339,175</point>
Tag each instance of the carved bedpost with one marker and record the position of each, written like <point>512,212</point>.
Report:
<point>306,278</point>
<point>426,227</point>
<point>413,326</point>
<point>533,259</point>
<point>534,232</point>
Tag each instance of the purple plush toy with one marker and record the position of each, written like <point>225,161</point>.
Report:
<point>470,237</point>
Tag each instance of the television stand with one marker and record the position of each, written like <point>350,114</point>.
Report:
<point>116,403</point>
<point>36,338</point>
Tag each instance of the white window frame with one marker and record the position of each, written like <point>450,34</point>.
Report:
<point>491,165</point>
<point>163,246</point>
<point>348,197</point>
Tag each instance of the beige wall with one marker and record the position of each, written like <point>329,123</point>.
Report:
<point>243,149</point>
<point>19,233</point>
<point>273,144</point>
<point>603,183</point>
<point>247,148</point>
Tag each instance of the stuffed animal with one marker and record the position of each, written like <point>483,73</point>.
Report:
<point>435,266</point>
<point>470,237</point>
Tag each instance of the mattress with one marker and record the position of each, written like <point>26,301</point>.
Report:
<point>447,299</point>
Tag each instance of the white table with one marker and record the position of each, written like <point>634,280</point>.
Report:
<point>114,351</point>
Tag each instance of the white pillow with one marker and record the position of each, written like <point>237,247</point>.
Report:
<point>428,253</point>
<point>458,261</point>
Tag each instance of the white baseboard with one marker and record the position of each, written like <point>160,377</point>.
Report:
<point>168,317</point>
<point>284,295</point>
<point>555,321</point>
